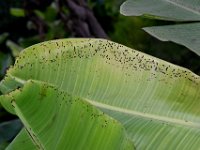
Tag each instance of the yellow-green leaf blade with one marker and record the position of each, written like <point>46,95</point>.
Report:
<point>55,120</point>
<point>133,86</point>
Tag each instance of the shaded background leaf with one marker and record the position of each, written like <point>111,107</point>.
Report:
<point>17,12</point>
<point>185,34</point>
<point>8,131</point>
<point>15,49</point>
<point>171,10</point>
<point>174,10</point>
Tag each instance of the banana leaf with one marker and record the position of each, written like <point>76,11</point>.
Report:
<point>156,102</point>
<point>185,13</point>
<point>53,119</point>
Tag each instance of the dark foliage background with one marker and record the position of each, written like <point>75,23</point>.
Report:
<point>26,22</point>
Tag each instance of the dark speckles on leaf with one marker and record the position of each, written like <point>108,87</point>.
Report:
<point>12,103</point>
<point>43,92</point>
<point>116,56</point>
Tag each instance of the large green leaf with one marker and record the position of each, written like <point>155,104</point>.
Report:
<point>172,10</point>
<point>55,120</point>
<point>176,10</point>
<point>157,102</point>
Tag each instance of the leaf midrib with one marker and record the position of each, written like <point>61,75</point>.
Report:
<point>131,112</point>
<point>145,115</point>
<point>28,128</point>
